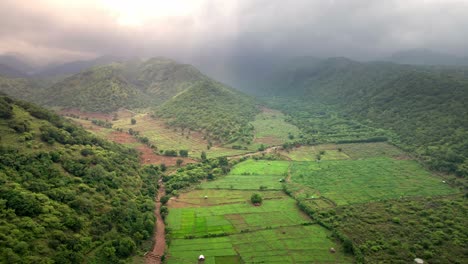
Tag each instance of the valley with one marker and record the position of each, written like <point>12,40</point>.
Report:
<point>158,163</point>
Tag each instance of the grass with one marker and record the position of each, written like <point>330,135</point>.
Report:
<point>358,181</point>
<point>343,151</point>
<point>272,129</point>
<point>252,174</point>
<point>309,153</point>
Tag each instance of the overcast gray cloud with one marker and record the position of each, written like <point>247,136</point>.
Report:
<point>53,30</point>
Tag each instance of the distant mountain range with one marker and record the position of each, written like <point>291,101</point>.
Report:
<point>8,71</point>
<point>426,57</point>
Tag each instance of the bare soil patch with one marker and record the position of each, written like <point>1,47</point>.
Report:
<point>121,137</point>
<point>149,157</point>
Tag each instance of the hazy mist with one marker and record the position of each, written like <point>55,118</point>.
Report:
<point>49,31</point>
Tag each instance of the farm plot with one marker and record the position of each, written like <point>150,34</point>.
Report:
<point>272,129</point>
<point>357,181</point>
<point>344,151</point>
<point>251,175</point>
<point>294,244</point>
<point>309,153</point>
<point>210,197</point>
<point>235,217</point>
<point>166,138</point>
<point>370,150</point>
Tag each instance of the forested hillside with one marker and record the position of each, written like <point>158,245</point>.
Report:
<point>99,89</point>
<point>20,88</point>
<point>67,196</point>
<point>222,113</point>
<point>129,84</point>
<point>425,106</point>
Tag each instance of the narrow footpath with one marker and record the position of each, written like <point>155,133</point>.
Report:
<point>154,256</point>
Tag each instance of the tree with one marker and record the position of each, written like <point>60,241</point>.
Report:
<point>203,156</point>
<point>133,121</point>
<point>256,198</point>
<point>183,153</point>
<point>179,162</point>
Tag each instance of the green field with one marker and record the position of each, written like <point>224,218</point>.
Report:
<point>251,174</point>
<point>225,227</point>
<point>357,181</point>
<point>343,151</point>
<point>234,217</point>
<point>295,244</point>
<point>309,153</point>
<point>272,129</point>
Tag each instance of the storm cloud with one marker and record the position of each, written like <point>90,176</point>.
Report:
<point>53,30</point>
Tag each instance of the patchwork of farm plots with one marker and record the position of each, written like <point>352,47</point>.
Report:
<point>275,232</point>
<point>218,220</point>
<point>293,244</point>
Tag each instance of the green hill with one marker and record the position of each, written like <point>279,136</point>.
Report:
<point>67,196</point>
<point>20,88</point>
<point>221,113</point>
<point>99,89</point>
<point>130,84</point>
<point>425,106</point>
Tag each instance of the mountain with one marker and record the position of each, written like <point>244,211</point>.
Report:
<point>67,196</point>
<point>425,106</point>
<point>16,61</point>
<point>74,67</point>
<point>99,89</point>
<point>129,84</point>
<point>8,71</point>
<point>425,57</point>
<point>222,113</point>
<point>25,89</point>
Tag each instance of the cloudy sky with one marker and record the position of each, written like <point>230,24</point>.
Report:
<point>60,30</point>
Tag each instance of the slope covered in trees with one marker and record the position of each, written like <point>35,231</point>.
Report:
<point>130,84</point>
<point>67,196</point>
<point>222,113</point>
<point>425,106</point>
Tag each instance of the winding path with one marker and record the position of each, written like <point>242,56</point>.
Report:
<point>154,256</point>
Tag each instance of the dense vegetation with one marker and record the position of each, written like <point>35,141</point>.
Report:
<point>19,88</point>
<point>221,113</point>
<point>425,106</point>
<point>433,229</point>
<point>67,196</point>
